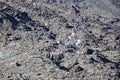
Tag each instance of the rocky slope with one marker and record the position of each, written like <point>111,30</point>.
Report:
<point>59,40</point>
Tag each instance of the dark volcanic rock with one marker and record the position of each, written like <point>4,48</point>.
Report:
<point>18,64</point>
<point>89,51</point>
<point>23,16</point>
<point>69,26</point>
<point>52,36</point>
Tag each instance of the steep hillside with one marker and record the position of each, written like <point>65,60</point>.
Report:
<point>59,40</point>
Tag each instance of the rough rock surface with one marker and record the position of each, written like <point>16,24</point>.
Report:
<point>59,39</point>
